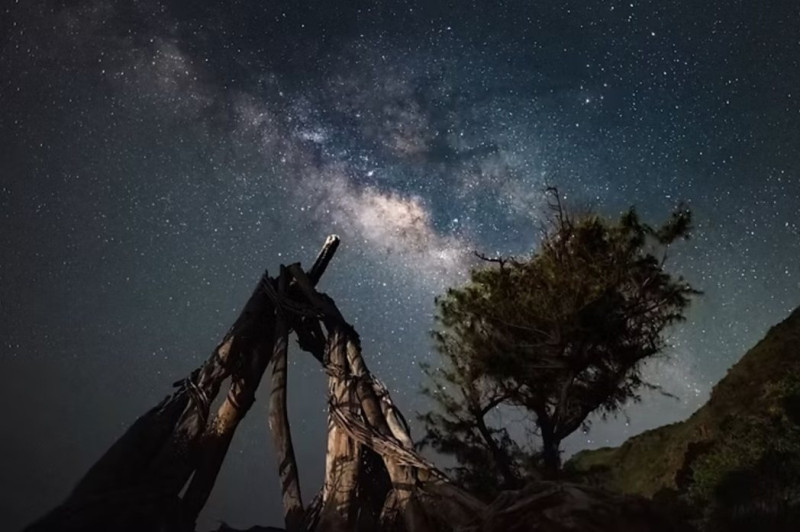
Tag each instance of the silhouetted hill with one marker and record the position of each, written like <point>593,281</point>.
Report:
<point>735,463</point>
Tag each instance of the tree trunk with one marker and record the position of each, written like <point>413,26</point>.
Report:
<point>551,455</point>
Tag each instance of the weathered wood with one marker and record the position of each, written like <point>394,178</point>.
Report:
<point>415,501</point>
<point>218,434</point>
<point>394,418</point>
<point>279,420</point>
<point>156,455</point>
<point>374,478</point>
<point>324,304</point>
<point>143,472</point>
<point>398,507</point>
<point>366,415</point>
<point>254,358</point>
<point>343,459</point>
<point>123,463</point>
<point>174,464</point>
<point>326,253</point>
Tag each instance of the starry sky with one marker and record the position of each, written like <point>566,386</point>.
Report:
<point>156,156</point>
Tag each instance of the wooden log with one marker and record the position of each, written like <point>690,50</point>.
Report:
<point>342,459</point>
<point>155,457</point>
<point>352,398</point>
<point>413,505</point>
<point>219,432</point>
<point>324,257</point>
<point>279,421</point>
<point>157,453</point>
<point>214,442</point>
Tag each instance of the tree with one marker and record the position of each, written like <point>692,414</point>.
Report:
<point>562,334</point>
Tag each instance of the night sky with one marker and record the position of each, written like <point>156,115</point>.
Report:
<point>155,157</point>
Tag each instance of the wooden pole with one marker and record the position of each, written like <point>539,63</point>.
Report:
<point>363,415</point>
<point>279,420</point>
<point>219,432</point>
<point>343,456</point>
<point>255,358</point>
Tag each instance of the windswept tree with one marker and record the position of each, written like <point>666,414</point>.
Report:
<point>562,334</point>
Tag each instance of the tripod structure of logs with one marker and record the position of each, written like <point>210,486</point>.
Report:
<point>160,473</point>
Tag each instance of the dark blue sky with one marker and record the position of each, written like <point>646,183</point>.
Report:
<point>156,156</point>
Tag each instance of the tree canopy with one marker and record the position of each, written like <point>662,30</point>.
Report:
<point>561,334</point>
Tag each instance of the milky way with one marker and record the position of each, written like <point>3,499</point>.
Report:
<point>157,156</point>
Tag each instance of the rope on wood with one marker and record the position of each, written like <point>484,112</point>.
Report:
<point>381,444</point>
<point>286,304</point>
<point>394,418</point>
<point>197,395</point>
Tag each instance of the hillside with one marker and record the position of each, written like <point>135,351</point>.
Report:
<point>736,448</point>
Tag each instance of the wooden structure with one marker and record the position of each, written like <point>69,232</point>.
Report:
<point>159,474</point>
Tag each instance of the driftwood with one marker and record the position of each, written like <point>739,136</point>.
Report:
<point>279,420</point>
<point>159,474</point>
<point>374,479</point>
<point>136,484</point>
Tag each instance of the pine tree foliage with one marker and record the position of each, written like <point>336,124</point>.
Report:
<point>562,334</point>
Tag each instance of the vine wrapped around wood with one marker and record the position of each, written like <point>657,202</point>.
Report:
<point>374,478</point>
